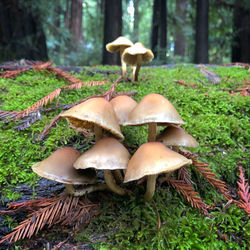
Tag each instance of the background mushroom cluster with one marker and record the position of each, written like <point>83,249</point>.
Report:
<point>131,54</point>
<point>106,119</point>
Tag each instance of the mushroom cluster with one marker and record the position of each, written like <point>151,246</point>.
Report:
<point>106,118</point>
<point>131,54</point>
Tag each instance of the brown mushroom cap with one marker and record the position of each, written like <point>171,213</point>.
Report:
<point>59,167</point>
<point>115,46</point>
<point>154,108</point>
<point>130,54</point>
<point>177,136</point>
<point>153,158</point>
<point>123,105</point>
<point>108,153</point>
<point>95,111</point>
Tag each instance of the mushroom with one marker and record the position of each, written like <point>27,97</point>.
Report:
<point>120,44</point>
<point>135,55</point>
<point>151,159</point>
<point>176,137</point>
<point>96,114</point>
<point>59,167</point>
<point>122,106</point>
<point>153,110</point>
<point>107,154</point>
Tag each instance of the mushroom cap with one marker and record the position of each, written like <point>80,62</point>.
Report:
<point>59,167</point>
<point>130,55</point>
<point>122,106</point>
<point>177,136</point>
<point>107,153</point>
<point>119,42</point>
<point>154,108</point>
<point>153,158</point>
<point>95,111</point>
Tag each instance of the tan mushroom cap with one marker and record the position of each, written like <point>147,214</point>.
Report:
<point>153,158</point>
<point>177,136</point>
<point>130,54</point>
<point>123,105</point>
<point>95,111</point>
<point>108,153</point>
<point>59,167</point>
<point>121,41</point>
<point>154,108</point>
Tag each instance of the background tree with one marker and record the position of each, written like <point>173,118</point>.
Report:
<point>21,32</point>
<point>112,29</point>
<point>76,21</point>
<point>180,37</point>
<point>201,35</point>
<point>159,29</point>
<point>241,32</point>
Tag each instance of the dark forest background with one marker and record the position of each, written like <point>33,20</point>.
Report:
<point>75,32</point>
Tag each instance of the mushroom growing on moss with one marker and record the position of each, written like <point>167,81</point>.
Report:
<point>135,55</point>
<point>176,137</point>
<point>59,167</point>
<point>96,114</point>
<point>107,154</point>
<point>151,159</point>
<point>122,106</point>
<point>120,44</point>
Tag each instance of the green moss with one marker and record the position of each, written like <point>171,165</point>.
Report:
<point>216,119</point>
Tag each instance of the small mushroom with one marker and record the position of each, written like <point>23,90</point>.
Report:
<point>153,110</point>
<point>151,159</point>
<point>96,114</point>
<point>176,137</point>
<point>135,55</point>
<point>107,154</point>
<point>120,44</point>
<point>122,106</point>
<point>59,167</point>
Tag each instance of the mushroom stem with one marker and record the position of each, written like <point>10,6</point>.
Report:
<point>109,179</point>
<point>118,176</point>
<point>98,133</point>
<point>175,148</point>
<point>152,127</point>
<point>82,190</point>
<point>151,180</point>
<point>150,187</point>
<point>124,66</point>
<point>136,69</point>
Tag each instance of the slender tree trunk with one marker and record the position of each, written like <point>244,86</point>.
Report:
<point>57,25</point>
<point>163,29</point>
<point>180,39</point>
<point>155,27</point>
<point>201,35</point>
<point>67,14</point>
<point>136,21</point>
<point>76,21</point>
<point>112,29</point>
<point>241,33</point>
<point>21,33</point>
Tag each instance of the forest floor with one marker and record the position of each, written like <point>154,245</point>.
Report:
<point>216,115</point>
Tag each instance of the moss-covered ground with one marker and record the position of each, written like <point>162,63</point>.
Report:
<point>218,121</point>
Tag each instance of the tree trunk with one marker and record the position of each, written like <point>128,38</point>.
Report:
<point>76,21</point>
<point>201,36</point>
<point>163,30</point>
<point>241,33</point>
<point>180,39</point>
<point>21,33</point>
<point>155,28</point>
<point>67,14</point>
<point>136,21</point>
<point>112,29</point>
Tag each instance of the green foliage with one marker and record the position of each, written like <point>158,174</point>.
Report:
<point>217,120</point>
